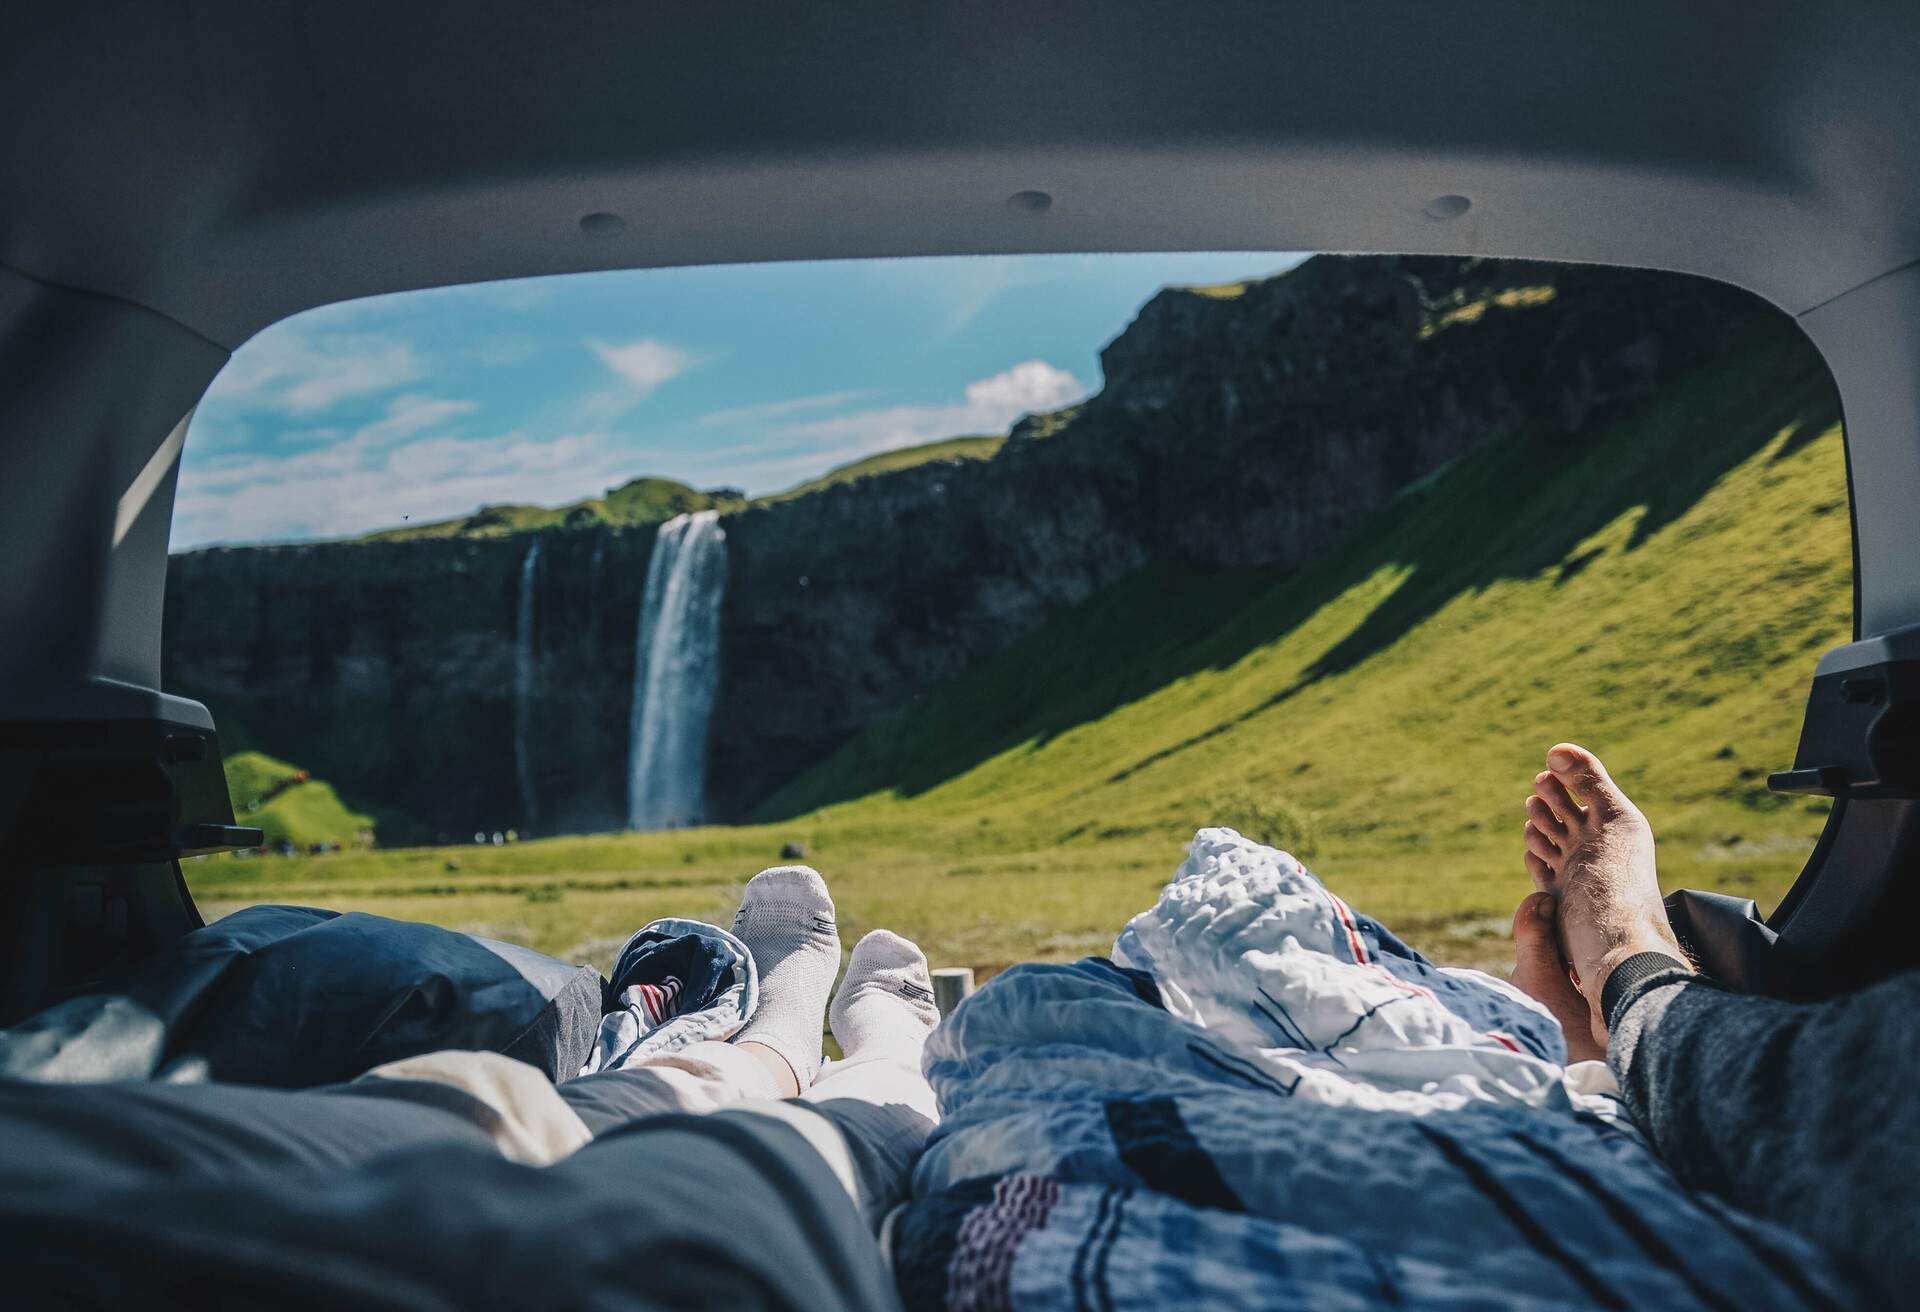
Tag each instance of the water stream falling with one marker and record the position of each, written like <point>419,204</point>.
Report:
<point>524,658</point>
<point>676,667</point>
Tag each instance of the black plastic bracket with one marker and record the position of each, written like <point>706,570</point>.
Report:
<point>107,792</point>
<point>1861,736</point>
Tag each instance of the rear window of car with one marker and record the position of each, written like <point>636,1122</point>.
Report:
<point>541,609</point>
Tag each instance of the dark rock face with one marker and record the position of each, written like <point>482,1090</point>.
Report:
<point>842,603</point>
<point>388,669</point>
<point>1252,427</point>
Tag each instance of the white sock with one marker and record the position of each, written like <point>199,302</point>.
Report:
<point>786,921</point>
<point>887,997</point>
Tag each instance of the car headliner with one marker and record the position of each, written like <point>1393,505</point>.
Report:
<point>228,162</point>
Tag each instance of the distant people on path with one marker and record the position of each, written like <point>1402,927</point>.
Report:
<point>1803,1113</point>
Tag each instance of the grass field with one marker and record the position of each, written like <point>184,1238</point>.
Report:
<point>1659,591</point>
<point>276,798</point>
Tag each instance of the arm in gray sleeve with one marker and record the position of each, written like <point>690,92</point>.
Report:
<point>1805,1113</point>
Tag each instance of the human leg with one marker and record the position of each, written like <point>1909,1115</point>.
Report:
<point>1540,971</point>
<point>700,1078</point>
<point>672,1211</point>
<point>1590,847</point>
<point>876,1102</point>
<point>881,1018</point>
<point>786,920</point>
<point>57,1133</point>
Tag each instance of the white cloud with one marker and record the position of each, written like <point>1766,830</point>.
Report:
<point>407,415</point>
<point>300,372</point>
<point>644,364</point>
<point>1025,389</point>
<point>795,451</point>
<point>991,405</point>
<point>411,463</point>
<point>344,490</point>
<point>752,414</point>
<point>404,465</point>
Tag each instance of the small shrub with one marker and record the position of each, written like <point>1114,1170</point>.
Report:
<point>1265,819</point>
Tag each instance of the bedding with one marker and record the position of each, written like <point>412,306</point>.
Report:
<point>1265,1100</point>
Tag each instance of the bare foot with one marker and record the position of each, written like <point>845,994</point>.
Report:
<point>1540,972</point>
<point>1592,849</point>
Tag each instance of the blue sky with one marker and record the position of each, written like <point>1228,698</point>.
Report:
<point>428,404</point>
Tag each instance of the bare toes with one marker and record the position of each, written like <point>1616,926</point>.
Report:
<point>1542,817</point>
<point>1581,771</point>
<point>1543,874</point>
<point>1542,846</point>
<point>1558,800</point>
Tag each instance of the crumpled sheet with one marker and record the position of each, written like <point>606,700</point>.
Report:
<point>1265,1100</point>
<point>676,982</point>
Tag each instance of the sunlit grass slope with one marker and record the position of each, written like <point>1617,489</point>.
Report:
<point>952,448</point>
<point>637,502</point>
<point>1658,591</point>
<point>277,798</point>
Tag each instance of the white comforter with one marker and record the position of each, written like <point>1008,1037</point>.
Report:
<point>1265,1100</point>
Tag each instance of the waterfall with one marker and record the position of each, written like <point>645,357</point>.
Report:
<point>675,668</point>
<point>523,676</point>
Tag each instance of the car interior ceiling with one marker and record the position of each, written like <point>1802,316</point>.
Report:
<point>178,178</point>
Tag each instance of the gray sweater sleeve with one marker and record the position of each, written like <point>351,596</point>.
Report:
<point>1807,1114</point>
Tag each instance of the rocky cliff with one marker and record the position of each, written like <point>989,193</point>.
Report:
<point>1251,425</point>
<point>391,666</point>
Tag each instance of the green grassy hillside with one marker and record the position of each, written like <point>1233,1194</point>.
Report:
<point>952,448</point>
<point>1660,594</point>
<point>656,500</point>
<point>1658,590</point>
<point>641,501</point>
<point>285,805</point>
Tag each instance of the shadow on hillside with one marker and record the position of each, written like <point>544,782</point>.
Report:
<point>1514,510</point>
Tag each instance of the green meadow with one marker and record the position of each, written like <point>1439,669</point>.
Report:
<point>1658,590</point>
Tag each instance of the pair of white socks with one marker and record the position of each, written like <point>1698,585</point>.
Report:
<point>786,920</point>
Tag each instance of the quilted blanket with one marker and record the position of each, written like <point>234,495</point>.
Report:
<point>1266,1100</point>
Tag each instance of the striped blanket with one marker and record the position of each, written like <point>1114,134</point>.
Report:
<point>1265,1100</point>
